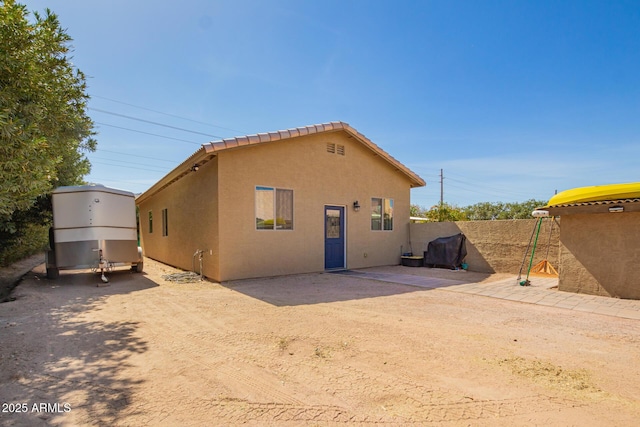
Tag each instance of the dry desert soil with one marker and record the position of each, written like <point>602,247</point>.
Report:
<point>305,350</point>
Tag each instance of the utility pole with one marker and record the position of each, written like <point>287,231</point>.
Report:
<point>441,188</point>
<point>441,195</point>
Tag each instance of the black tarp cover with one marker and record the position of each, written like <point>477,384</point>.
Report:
<point>446,251</point>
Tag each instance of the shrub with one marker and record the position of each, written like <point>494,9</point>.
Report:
<point>30,240</point>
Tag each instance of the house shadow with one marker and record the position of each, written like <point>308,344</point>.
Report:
<point>70,361</point>
<point>330,287</point>
<point>493,247</point>
<point>424,277</point>
<point>314,288</point>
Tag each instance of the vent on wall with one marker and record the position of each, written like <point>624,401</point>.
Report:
<point>335,148</point>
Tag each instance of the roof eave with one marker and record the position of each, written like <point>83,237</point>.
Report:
<point>209,150</point>
<point>261,138</point>
<point>415,180</point>
<point>603,206</point>
<point>177,173</point>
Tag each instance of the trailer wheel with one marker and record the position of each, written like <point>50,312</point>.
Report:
<point>53,273</point>
<point>50,264</point>
<point>139,266</point>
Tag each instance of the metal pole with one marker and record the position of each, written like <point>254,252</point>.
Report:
<point>526,252</point>
<point>441,195</point>
<point>533,251</point>
<point>441,187</point>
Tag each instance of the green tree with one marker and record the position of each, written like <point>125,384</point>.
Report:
<point>445,212</point>
<point>478,212</point>
<point>416,210</point>
<point>500,210</point>
<point>484,211</point>
<point>523,210</point>
<point>44,127</point>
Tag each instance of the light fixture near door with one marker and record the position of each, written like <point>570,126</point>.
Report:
<point>356,206</point>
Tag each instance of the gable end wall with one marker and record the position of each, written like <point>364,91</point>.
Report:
<point>318,178</point>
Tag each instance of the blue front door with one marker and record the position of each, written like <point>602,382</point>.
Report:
<point>333,237</point>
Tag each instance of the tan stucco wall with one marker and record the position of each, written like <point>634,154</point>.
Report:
<point>600,254</point>
<point>193,225</point>
<point>214,209</point>
<point>317,178</point>
<point>493,246</point>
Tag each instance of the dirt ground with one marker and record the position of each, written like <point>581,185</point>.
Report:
<point>305,350</point>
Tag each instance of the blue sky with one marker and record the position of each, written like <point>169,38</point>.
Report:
<point>512,99</point>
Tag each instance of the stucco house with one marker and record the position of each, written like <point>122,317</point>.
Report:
<point>307,199</point>
<point>599,247</point>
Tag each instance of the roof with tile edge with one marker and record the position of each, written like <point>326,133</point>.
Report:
<point>213,147</point>
<point>261,138</point>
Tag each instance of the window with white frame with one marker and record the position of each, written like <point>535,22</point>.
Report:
<point>381,214</point>
<point>274,208</point>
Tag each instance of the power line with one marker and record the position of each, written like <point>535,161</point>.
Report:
<point>426,173</point>
<point>477,186</point>
<point>124,161</point>
<point>136,155</point>
<point>114,180</point>
<point>473,188</point>
<point>153,123</point>
<point>168,114</point>
<point>130,167</point>
<point>148,133</point>
<point>487,191</point>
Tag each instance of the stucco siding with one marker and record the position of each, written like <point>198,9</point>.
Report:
<point>192,209</point>
<point>599,254</point>
<point>317,178</point>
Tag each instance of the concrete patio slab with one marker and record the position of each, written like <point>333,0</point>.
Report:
<point>542,291</point>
